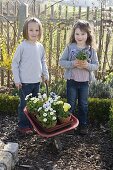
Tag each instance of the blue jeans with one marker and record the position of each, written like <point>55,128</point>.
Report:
<point>78,90</point>
<point>24,91</point>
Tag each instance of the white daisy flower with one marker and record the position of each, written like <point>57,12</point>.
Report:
<point>40,108</point>
<point>51,113</point>
<point>44,114</point>
<point>27,97</point>
<point>44,96</point>
<point>54,118</point>
<point>44,120</point>
<point>39,94</point>
<point>34,101</point>
<point>33,98</point>
<point>51,109</point>
<point>46,110</point>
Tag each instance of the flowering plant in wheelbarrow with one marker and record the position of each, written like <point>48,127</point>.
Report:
<point>47,110</point>
<point>62,109</point>
<point>40,107</point>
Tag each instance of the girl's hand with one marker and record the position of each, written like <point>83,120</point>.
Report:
<point>76,63</point>
<point>80,64</point>
<point>84,64</point>
<point>46,81</point>
<point>18,85</point>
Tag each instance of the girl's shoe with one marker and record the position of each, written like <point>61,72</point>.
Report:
<point>81,130</point>
<point>25,130</point>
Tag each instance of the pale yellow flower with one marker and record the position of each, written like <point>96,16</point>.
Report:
<point>66,107</point>
<point>59,102</point>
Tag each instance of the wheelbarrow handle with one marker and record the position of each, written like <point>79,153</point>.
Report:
<point>21,92</point>
<point>47,90</point>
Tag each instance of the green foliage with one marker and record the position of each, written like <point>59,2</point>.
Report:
<point>43,88</point>
<point>111,119</point>
<point>99,109</point>
<point>62,109</point>
<point>4,52</point>
<point>15,92</point>
<point>59,87</point>
<point>49,121</point>
<point>99,89</point>
<point>34,103</point>
<point>7,53</point>
<point>109,79</point>
<point>8,104</point>
<point>81,55</point>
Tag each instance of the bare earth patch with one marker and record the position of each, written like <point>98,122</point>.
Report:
<point>91,152</point>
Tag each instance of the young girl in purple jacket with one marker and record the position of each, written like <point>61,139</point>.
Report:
<point>79,74</point>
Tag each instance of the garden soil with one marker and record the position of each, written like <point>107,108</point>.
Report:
<point>91,152</point>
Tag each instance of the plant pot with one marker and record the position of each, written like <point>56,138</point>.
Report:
<point>32,113</point>
<point>65,120</point>
<point>49,126</point>
<point>81,61</point>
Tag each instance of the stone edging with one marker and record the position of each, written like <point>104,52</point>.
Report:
<point>8,155</point>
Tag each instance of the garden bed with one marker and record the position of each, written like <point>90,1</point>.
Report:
<point>92,152</point>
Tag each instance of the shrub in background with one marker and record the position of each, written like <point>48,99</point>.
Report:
<point>99,89</point>
<point>111,119</point>
<point>14,92</point>
<point>99,109</point>
<point>8,104</point>
<point>109,79</point>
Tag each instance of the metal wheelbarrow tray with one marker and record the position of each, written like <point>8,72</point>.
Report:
<point>52,132</point>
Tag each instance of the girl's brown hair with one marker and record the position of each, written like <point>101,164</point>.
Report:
<point>25,27</point>
<point>83,26</point>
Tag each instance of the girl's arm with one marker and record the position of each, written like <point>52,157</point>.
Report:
<point>94,62</point>
<point>45,73</point>
<point>15,66</point>
<point>64,60</point>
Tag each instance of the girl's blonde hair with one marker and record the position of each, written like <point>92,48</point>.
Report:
<point>86,27</point>
<point>25,28</point>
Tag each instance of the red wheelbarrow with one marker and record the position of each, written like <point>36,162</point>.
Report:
<point>52,132</point>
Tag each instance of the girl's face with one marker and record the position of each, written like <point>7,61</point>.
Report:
<point>33,31</point>
<point>80,37</point>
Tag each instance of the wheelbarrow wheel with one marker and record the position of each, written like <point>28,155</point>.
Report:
<point>57,143</point>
